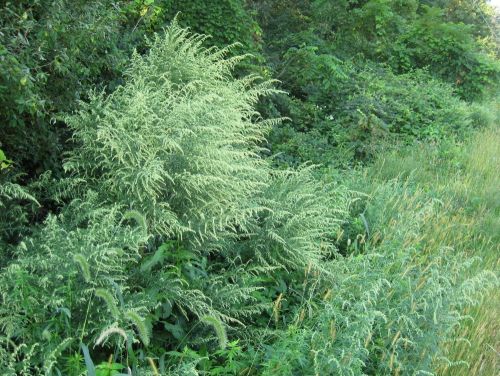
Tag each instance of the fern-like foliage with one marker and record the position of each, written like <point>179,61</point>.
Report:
<point>179,142</point>
<point>387,310</point>
<point>173,227</point>
<point>178,249</point>
<point>301,216</point>
<point>171,217</point>
<point>14,214</point>
<point>57,270</point>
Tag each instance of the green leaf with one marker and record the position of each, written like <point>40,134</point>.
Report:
<point>4,162</point>
<point>110,366</point>
<point>88,360</point>
<point>157,258</point>
<point>176,330</point>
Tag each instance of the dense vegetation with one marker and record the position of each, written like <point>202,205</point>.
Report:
<point>260,187</point>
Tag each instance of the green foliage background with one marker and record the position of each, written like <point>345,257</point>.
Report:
<point>248,187</point>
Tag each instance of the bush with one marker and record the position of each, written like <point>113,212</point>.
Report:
<point>358,110</point>
<point>52,53</point>
<point>450,52</point>
<point>210,17</point>
<point>173,222</point>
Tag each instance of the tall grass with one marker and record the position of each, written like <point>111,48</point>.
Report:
<point>411,288</point>
<point>480,182</point>
<point>465,181</point>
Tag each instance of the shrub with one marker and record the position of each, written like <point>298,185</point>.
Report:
<point>450,52</point>
<point>52,53</point>
<point>354,111</point>
<point>177,247</point>
<point>189,170</point>
<point>210,18</point>
<point>173,221</point>
<point>15,204</point>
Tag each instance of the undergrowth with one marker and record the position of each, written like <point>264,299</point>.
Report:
<point>463,180</point>
<point>176,248</point>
